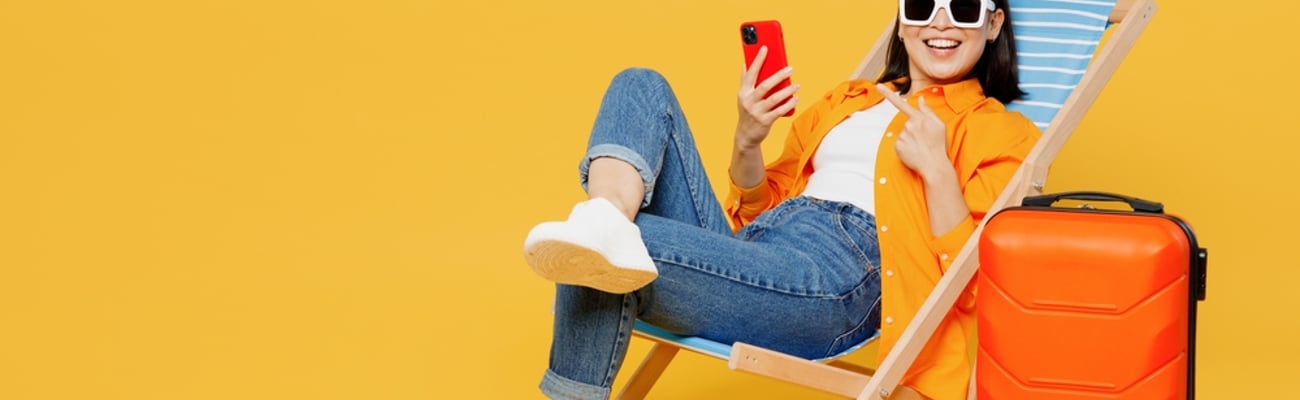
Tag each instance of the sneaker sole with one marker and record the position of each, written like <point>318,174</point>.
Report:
<point>570,264</point>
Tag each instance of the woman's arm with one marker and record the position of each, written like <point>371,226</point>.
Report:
<point>923,147</point>
<point>981,171</point>
<point>765,185</point>
<point>943,198</point>
<point>747,169</point>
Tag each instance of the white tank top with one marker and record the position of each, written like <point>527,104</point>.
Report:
<point>845,163</point>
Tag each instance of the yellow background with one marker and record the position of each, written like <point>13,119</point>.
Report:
<point>327,200</point>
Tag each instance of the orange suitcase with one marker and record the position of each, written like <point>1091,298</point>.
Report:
<point>1087,303</point>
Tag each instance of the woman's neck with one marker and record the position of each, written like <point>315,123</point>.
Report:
<point>917,85</point>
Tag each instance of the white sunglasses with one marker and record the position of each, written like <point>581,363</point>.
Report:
<point>962,13</point>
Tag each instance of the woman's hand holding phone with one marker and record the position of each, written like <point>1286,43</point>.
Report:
<point>757,113</point>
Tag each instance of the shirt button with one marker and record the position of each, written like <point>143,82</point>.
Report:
<point>889,320</point>
<point>934,90</point>
<point>943,256</point>
<point>889,272</point>
<point>884,228</point>
<point>882,181</point>
<point>889,134</point>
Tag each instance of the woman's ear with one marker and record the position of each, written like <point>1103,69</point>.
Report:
<point>995,24</point>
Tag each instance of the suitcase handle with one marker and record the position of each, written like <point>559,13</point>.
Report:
<point>1137,204</point>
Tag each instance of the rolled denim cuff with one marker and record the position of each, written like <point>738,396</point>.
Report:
<point>624,154</point>
<point>559,387</point>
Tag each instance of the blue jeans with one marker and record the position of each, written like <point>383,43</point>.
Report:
<point>801,279</point>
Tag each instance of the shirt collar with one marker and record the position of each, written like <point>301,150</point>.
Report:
<point>957,96</point>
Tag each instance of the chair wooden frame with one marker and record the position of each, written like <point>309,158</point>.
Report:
<point>848,380</point>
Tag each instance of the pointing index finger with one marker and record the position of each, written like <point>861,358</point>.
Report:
<point>897,101</point>
<point>925,108</point>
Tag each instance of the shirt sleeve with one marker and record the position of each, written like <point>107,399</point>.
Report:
<point>984,174</point>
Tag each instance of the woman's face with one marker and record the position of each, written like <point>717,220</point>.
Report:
<point>941,53</point>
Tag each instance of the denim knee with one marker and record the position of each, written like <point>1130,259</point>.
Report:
<point>641,79</point>
<point>641,104</point>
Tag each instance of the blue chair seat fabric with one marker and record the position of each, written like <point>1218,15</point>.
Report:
<point>717,349</point>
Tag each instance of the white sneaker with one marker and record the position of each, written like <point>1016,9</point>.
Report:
<point>596,247</point>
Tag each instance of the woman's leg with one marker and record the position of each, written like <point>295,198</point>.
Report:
<point>642,132</point>
<point>640,157</point>
<point>802,281</point>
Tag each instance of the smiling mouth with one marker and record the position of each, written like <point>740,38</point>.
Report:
<point>942,44</point>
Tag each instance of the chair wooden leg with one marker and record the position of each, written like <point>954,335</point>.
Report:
<point>648,372</point>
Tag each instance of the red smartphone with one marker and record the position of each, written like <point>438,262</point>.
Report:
<point>756,34</point>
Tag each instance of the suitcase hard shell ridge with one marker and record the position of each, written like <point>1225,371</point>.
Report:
<point>1085,303</point>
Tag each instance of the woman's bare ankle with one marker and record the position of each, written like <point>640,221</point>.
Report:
<point>618,182</point>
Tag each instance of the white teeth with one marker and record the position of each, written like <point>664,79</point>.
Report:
<point>942,43</point>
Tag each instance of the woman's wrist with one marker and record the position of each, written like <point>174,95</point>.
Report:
<point>747,168</point>
<point>749,139</point>
<point>745,147</point>
<point>940,173</point>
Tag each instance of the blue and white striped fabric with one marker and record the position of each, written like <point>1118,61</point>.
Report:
<point>1055,41</point>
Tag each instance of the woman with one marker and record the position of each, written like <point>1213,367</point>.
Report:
<point>877,186</point>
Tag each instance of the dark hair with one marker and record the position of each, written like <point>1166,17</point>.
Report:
<point>996,68</point>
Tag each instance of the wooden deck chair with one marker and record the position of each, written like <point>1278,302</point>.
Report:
<point>1063,72</point>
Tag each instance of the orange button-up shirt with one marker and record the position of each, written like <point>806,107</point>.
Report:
<point>986,144</point>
